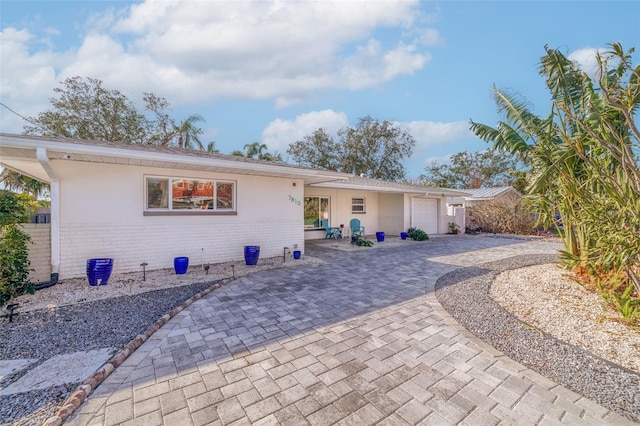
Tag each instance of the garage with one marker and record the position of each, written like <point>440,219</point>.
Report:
<point>425,215</point>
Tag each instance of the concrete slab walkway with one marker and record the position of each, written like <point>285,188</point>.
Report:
<point>357,340</point>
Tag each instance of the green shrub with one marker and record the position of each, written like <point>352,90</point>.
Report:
<point>14,253</point>
<point>361,241</point>
<point>417,234</point>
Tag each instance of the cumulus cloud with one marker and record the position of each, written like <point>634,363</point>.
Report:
<point>193,51</point>
<point>429,133</point>
<point>25,75</point>
<point>280,133</point>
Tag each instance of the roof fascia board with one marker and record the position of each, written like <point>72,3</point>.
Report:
<point>133,154</point>
<point>365,188</point>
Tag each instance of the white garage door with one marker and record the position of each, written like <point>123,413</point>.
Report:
<point>425,215</point>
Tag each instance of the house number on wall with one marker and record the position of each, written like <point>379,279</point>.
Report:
<point>295,201</point>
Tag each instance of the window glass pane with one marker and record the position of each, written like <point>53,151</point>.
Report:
<point>224,196</point>
<point>202,193</point>
<point>157,193</point>
<point>357,205</point>
<point>311,212</point>
<point>187,196</point>
<point>324,209</point>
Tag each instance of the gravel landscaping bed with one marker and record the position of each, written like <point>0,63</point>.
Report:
<point>465,294</point>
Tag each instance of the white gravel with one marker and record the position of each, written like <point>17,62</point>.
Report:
<point>546,297</point>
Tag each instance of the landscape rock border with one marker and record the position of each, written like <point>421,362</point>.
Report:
<point>464,294</point>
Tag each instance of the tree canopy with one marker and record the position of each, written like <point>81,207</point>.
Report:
<point>85,109</point>
<point>583,158</point>
<point>373,148</point>
<point>466,170</point>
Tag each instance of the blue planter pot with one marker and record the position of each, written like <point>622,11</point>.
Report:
<point>251,254</point>
<point>180,265</point>
<point>403,235</point>
<point>99,270</point>
<point>297,254</point>
<point>380,236</point>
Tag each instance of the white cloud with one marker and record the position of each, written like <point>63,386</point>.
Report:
<point>193,51</point>
<point>429,133</point>
<point>24,76</point>
<point>279,134</point>
<point>586,59</point>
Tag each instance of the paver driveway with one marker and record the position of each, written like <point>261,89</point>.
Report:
<point>359,339</point>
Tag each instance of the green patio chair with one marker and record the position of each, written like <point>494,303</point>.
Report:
<point>356,229</point>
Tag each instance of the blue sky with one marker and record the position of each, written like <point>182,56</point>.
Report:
<point>274,72</point>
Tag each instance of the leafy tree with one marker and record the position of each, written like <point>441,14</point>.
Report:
<point>84,109</point>
<point>488,168</point>
<point>583,157</point>
<point>372,148</point>
<point>14,253</point>
<point>317,150</point>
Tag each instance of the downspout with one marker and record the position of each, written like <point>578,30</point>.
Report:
<point>41,155</point>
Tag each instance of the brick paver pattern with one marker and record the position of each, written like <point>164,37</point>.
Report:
<point>357,340</point>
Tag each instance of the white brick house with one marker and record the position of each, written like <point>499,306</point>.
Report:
<point>138,203</point>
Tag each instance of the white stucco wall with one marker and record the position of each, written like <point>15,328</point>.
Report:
<point>391,214</point>
<point>340,206</point>
<point>102,209</point>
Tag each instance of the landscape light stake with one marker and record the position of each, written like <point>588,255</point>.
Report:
<point>144,272</point>
<point>11,308</point>
<point>206,269</point>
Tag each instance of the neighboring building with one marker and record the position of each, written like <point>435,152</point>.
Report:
<point>480,195</point>
<point>141,203</point>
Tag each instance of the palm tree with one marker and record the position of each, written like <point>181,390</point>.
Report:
<point>211,147</point>
<point>189,134</point>
<point>254,149</point>
<point>16,182</point>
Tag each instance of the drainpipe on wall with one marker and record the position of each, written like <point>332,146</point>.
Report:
<point>41,155</point>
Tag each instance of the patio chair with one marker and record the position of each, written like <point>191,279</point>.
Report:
<point>356,229</point>
<point>331,232</point>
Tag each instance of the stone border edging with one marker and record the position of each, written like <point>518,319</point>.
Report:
<point>91,383</point>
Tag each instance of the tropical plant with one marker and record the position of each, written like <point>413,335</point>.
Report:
<point>14,253</point>
<point>16,182</point>
<point>361,241</point>
<point>417,234</point>
<point>189,134</point>
<point>583,158</point>
<point>454,228</point>
<point>257,150</point>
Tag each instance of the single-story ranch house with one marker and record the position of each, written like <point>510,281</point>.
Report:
<point>147,204</point>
